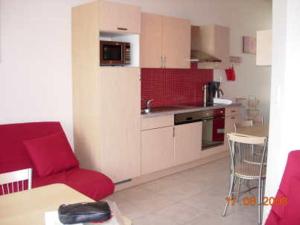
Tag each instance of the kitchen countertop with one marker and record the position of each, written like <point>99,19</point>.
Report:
<point>183,109</point>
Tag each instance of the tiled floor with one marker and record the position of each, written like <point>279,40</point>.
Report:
<point>192,197</point>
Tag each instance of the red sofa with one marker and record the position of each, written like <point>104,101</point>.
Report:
<point>288,214</point>
<point>14,156</point>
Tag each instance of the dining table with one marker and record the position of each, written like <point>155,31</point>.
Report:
<point>29,207</point>
<point>261,130</point>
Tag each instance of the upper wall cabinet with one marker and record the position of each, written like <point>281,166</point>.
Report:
<point>165,42</point>
<point>176,44</point>
<point>151,41</point>
<point>264,48</point>
<point>211,45</point>
<point>116,17</point>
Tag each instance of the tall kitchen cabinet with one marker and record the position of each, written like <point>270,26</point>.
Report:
<point>165,42</point>
<point>106,100</point>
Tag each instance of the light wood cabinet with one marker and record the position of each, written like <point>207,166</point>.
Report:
<point>157,121</point>
<point>117,17</point>
<point>151,41</point>
<point>165,42</point>
<point>157,149</point>
<point>233,111</point>
<point>106,103</point>
<point>119,90</point>
<point>188,142</point>
<point>176,44</point>
<point>232,116</point>
<point>229,123</point>
<point>213,42</point>
<point>264,48</point>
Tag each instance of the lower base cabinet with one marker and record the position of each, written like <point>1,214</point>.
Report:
<point>232,116</point>
<point>187,142</point>
<point>157,149</point>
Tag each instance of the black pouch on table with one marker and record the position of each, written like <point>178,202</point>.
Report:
<point>84,212</point>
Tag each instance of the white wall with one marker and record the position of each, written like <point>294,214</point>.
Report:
<point>285,107</point>
<point>35,67</point>
<point>244,18</point>
<point>35,71</point>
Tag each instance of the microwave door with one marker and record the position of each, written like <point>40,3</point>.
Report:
<point>111,54</point>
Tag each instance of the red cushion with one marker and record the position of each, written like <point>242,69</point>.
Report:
<point>51,154</point>
<point>273,219</point>
<point>90,183</point>
<point>279,209</point>
<point>292,215</point>
<point>13,154</point>
<point>283,214</point>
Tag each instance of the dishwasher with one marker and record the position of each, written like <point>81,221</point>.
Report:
<point>213,125</point>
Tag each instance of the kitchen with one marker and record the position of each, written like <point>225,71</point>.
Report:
<point>159,82</point>
<point>178,62</point>
<point>36,79</point>
<point>139,100</point>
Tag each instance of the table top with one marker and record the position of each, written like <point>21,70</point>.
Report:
<point>257,130</point>
<point>29,207</point>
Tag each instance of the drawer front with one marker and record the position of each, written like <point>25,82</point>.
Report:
<point>232,111</point>
<point>156,122</point>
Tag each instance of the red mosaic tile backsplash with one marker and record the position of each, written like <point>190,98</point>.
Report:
<point>174,86</point>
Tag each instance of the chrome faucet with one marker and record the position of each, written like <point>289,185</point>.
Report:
<point>148,103</point>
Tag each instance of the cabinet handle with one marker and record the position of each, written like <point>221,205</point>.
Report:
<point>233,118</point>
<point>122,28</point>
<point>173,131</point>
<point>164,61</point>
<point>233,111</point>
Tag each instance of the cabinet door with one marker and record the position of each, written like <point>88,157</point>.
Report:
<point>176,42</point>
<point>157,149</point>
<point>232,116</point>
<point>119,17</point>
<point>264,48</point>
<point>151,41</point>
<point>229,123</point>
<point>233,111</point>
<point>188,142</point>
<point>119,90</point>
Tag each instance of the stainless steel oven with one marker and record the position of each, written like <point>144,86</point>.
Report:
<point>213,125</point>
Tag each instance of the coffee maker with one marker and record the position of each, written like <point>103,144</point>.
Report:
<point>212,91</point>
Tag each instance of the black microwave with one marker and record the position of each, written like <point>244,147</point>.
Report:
<point>113,53</point>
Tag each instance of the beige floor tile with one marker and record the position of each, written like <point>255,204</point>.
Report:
<point>181,191</point>
<point>192,197</point>
<point>179,212</point>
<point>153,219</point>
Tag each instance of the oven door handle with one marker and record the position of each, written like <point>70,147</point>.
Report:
<point>207,118</point>
<point>221,131</point>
